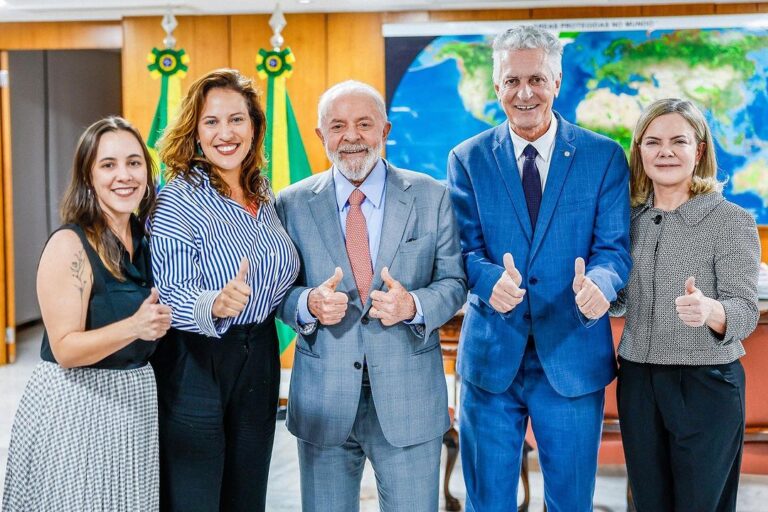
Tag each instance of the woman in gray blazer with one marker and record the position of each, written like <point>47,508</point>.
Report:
<point>690,301</point>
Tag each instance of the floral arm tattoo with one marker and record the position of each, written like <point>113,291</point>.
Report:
<point>77,268</point>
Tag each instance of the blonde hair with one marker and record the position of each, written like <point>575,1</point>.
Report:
<point>704,174</point>
<point>81,206</point>
<point>178,143</point>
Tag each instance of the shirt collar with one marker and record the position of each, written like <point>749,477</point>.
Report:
<point>372,187</point>
<point>693,210</point>
<point>543,144</point>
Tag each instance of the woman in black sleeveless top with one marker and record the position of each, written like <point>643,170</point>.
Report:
<point>85,434</point>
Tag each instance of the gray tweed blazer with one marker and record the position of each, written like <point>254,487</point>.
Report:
<point>706,237</point>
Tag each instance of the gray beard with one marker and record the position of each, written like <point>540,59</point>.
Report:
<point>358,170</point>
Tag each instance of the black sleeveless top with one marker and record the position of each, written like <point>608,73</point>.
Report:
<point>112,300</point>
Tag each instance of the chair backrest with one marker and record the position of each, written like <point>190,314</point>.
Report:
<point>755,458</point>
<point>611,408</point>
<point>756,369</point>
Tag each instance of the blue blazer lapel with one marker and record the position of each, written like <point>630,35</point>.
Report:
<point>559,167</point>
<point>325,213</point>
<point>398,204</point>
<point>506,166</point>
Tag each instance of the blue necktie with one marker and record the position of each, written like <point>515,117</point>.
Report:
<point>531,183</point>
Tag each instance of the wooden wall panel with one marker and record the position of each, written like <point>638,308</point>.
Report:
<point>248,33</point>
<point>7,290</point>
<point>356,48</point>
<point>586,12</point>
<point>406,17</point>
<point>678,10</point>
<point>487,15</point>
<point>205,39</point>
<point>305,34</point>
<point>747,8</point>
<point>61,35</point>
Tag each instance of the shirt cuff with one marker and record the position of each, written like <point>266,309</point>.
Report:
<point>303,317</point>
<point>203,314</point>
<point>419,317</point>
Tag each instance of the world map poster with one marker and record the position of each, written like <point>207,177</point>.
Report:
<point>440,87</point>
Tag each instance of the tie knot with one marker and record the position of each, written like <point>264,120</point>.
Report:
<point>530,152</point>
<point>356,198</point>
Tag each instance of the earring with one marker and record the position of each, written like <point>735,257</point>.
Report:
<point>146,192</point>
<point>199,147</point>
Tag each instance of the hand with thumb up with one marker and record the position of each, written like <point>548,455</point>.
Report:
<point>589,298</point>
<point>325,303</point>
<point>232,299</point>
<point>393,306</point>
<point>152,320</point>
<point>693,308</point>
<point>506,292</point>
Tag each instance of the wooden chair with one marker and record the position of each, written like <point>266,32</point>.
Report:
<point>755,458</point>
<point>449,341</point>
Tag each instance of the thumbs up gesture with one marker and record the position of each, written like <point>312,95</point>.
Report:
<point>590,300</point>
<point>393,306</point>
<point>693,308</point>
<point>152,320</point>
<point>506,292</point>
<point>325,303</point>
<point>232,299</point>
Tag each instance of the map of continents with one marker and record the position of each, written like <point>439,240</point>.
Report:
<point>446,95</point>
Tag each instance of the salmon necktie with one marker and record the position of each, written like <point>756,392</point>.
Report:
<point>357,245</point>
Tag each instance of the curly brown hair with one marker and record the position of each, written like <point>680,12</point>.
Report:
<point>177,145</point>
<point>81,206</point>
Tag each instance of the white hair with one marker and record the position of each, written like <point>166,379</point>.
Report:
<point>527,37</point>
<point>349,87</point>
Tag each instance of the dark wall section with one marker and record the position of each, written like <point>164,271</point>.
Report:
<point>54,96</point>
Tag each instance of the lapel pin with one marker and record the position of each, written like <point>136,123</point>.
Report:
<point>567,153</point>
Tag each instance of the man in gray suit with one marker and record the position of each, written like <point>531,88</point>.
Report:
<point>381,271</point>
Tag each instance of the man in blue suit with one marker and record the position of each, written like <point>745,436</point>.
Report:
<point>543,212</point>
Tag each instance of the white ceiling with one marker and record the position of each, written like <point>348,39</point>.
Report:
<point>52,10</point>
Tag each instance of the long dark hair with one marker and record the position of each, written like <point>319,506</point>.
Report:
<point>81,206</point>
<point>177,146</point>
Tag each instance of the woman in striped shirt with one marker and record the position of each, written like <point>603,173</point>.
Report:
<point>223,262</point>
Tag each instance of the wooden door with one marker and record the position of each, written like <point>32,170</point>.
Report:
<point>7,312</point>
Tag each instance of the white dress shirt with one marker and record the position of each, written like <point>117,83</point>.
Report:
<point>544,146</point>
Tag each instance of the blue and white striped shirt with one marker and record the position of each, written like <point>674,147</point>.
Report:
<point>199,237</point>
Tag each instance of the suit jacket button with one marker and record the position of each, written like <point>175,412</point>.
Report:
<point>533,280</point>
<point>527,316</point>
<point>358,365</point>
<point>364,320</point>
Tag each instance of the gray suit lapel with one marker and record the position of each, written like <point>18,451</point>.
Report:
<point>325,213</point>
<point>398,204</point>
<point>506,166</point>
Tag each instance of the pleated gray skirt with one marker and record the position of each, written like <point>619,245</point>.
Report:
<point>84,440</point>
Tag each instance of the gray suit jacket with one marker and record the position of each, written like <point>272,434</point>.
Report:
<point>420,245</point>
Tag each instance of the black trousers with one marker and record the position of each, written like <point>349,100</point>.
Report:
<point>217,412</point>
<point>683,431</point>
